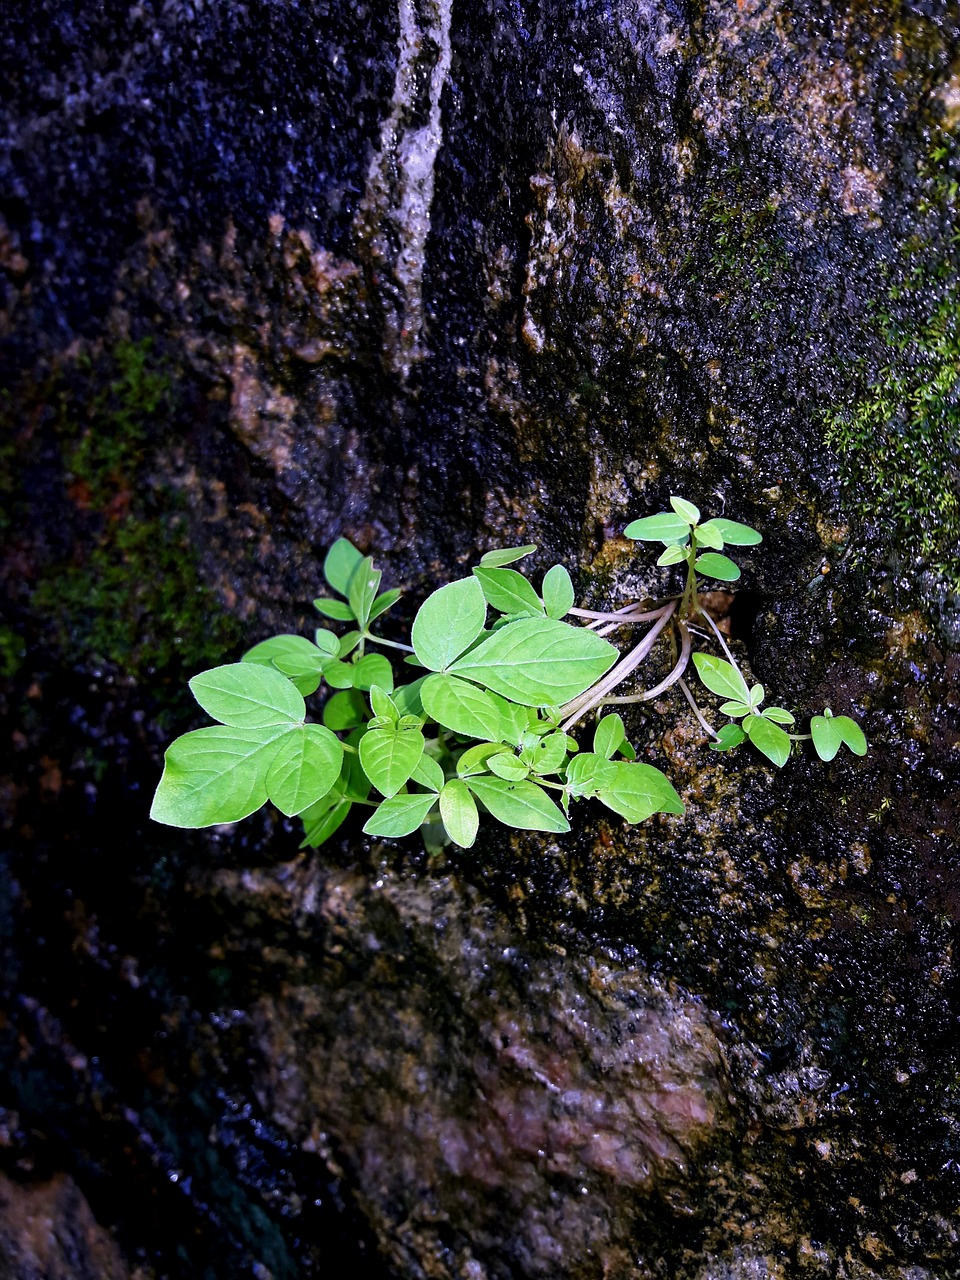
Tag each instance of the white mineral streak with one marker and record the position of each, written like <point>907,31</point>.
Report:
<point>395,211</point>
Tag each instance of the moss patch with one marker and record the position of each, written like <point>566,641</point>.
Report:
<point>899,440</point>
<point>115,576</point>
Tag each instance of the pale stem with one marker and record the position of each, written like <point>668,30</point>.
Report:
<point>719,634</point>
<point>671,679</point>
<point>393,644</point>
<point>626,614</point>
<point>579,706</point>
<point>685,690</point>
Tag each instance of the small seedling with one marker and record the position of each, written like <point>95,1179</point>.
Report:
<point>486,727</point>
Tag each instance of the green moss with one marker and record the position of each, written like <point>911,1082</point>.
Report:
<point>743,240</point>
<point>899,440</point>
<point>12,652</point>
<point>137,601</point>
<point>106,446</point>
<point>129,591</point>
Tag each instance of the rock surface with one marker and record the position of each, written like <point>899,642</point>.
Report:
<point>437,277</point>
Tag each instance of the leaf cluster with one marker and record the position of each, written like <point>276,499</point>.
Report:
<point>476,732</point>
<point>483,727</point>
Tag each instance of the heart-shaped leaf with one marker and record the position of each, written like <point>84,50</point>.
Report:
<point>448,622</point>
<point>305,767</point>
<point>389,757</point>
<point>216,775</point>
<point>768,738</point>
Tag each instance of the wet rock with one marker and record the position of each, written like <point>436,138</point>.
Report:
<point>48,1232</point>
<point>437,277</point>
<point>509,1110</point>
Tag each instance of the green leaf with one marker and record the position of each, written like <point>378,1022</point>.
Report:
<point>538,661</point>
<point>665,527</point>
<point>327,642</point>
<point>730,736</point>
<point>827,738</point>
<point>305,767</point>
<point>513,719</point>
<point>384,602</point>
<point>321,820</point>
<point>505,555</point>
<point>548,754</point>
<point>506,765</point>
<point>708,535</point>
<point>738,535</point>
<point>757,695</point>
<point>373,668</point>
<point>344,710</point>
<point>778,715</point>
<point>716,566</point>
<point>768,738</point>
<point>721,677</point>
<point>448,622</point>
<point>216,775</point>
<point>588,773</point>
<point>364,585</point>
<point>608,736</point>
<point>519,804</point>
<point>428,773</point>
<point>458,809</point>
<point>461,706</point>
<point>289,646</point>
<point>407,698</point>
<point>338,568</point>
<point>474,759</point>
<point>852,734</point>
<point>686,510</point>
<point>348,642</point>
<point>639,790</point>
<point>247,695</point>
<point>672,555</point>
<point>338,675</point>
<point>339,610</point>
<point>353,781</point>
<point>400,815</point>
<point>736,708</point>
<point>389,756</point>
<point>383,705</point>
<point>557,591</point>
<point>509,592</point>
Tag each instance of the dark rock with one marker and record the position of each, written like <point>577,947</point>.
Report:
<point>47,1232</point>
<point>437,277</point>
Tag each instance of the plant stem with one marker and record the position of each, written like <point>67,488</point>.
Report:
<point>393,644</point>
<point>680,667</point>
<point>579,706</point>
<point>685,690</point>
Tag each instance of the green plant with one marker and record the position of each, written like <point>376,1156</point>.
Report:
<point>487,726</point>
